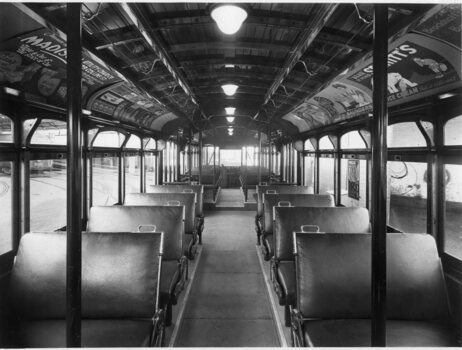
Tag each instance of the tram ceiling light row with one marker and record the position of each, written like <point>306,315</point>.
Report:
<point>229,18</point>
<point>11,91</point>
<point>229,89</point>
<point>230,110</point>
<point>230,119</point>
<point>446,95</point>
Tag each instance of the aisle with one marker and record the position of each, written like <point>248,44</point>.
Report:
<point>230,197</point>
<point>228,305</point>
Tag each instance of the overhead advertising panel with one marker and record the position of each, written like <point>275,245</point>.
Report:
<point>422,62</point>
<point>35,64</point>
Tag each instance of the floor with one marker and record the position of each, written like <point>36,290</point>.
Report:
<point>230,197</point>
<point>228,305</point>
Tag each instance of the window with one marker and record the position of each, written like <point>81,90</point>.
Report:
<point>50,132</point>
<point>151,144</point>
<point>105,168</point>
<point>132,173</point>
<point>352,140</point>
<point>111,139</point>
<point>408,196</point>
<point>150,167</point>
<point>354,182</point>
<point>133,142</point>
<point>308,146</point>
<point>230,157</point>
<point>309,172</point>
<point>325,143</point>
<point>6,129</point>
<point>453,214</point>
<point>48,183</point>
<point>326,175</point>
<point>6,203</point>
<point>405,135</point>
<point>452,134</point>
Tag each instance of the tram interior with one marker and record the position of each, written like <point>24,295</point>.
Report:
<point>230,175</point>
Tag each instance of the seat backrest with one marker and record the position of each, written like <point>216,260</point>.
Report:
<point>197,189</point>
<point>121,218</point>
<point>282,189</point>
<point>334,276</point>
<point>332,220</point>
<point>295,200</point>
<point>119,275</point>
<point>188,200</point>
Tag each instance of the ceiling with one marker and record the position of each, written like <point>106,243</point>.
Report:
<point>283,54</point>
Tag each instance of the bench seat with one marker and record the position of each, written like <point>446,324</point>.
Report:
<point>357,333</point>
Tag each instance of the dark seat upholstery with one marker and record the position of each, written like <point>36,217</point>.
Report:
<point>283,189</point>
<point>290,219</point>
<point>295,199</point>
<point>167,219</point>
<point>188,200</point>
<point>334,285</point>
<point>119,290</point>
<point>184,188</point>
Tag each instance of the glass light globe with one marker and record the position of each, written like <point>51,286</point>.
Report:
<point>230,119</point>
<point>230,110</point>
<point>229,89</point>
<point>229,18</point>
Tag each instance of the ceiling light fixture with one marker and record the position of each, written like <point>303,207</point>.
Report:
<point>229,18</point>
<point>230,119</point>
<point>230,110</point>
<point>229,65</point>
<point>229,89</point>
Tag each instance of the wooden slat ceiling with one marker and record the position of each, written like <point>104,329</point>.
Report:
<point>272,35</point>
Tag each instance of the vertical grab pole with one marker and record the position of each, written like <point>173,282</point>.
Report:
<point>190,156</point>
<point>259,156</point>
<point>379,176</point>
<point>74,176</point>
<point>200,157</point>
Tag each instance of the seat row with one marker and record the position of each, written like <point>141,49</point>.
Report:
<point>320,268</point>
<point>134,266</point>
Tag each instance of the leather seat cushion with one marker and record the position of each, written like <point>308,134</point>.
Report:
<point>357,333</point>
<point>269,242</point>
<point>169,277</point>
<point>95,333</point>
<point>286,276</point>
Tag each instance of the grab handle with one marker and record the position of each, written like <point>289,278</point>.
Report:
<point>147,228</point>
<point>173,203</point>
<point>284,204</point>
<point>188,190</point>
<point>270,191</point>
<point>310,228</point>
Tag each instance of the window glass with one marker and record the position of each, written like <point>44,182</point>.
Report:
<point>453,215</point>
<point>150,166</point>
<point>50,132</point>
<point>6,129</point>
<point>230,157</point>
<point>48,183</point>
<point>452,134</point>
<point>105,179</point>
<point>91,135</point>
<point>133,142</point>
<point>309,173</point>
<point>308,146</point>
<point>405,135</point>
<point>109,139</point>
<point>408,196</point>
<point>326,175</point>
<point>6,203</point>
<point>354,182</point>
<point>325,143</point>
<point>152,144</point>
<point>132,174</point>
<point>352,140</point>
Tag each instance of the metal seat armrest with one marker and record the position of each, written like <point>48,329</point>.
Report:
<point>296,328</point>
<point>158,332</point>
